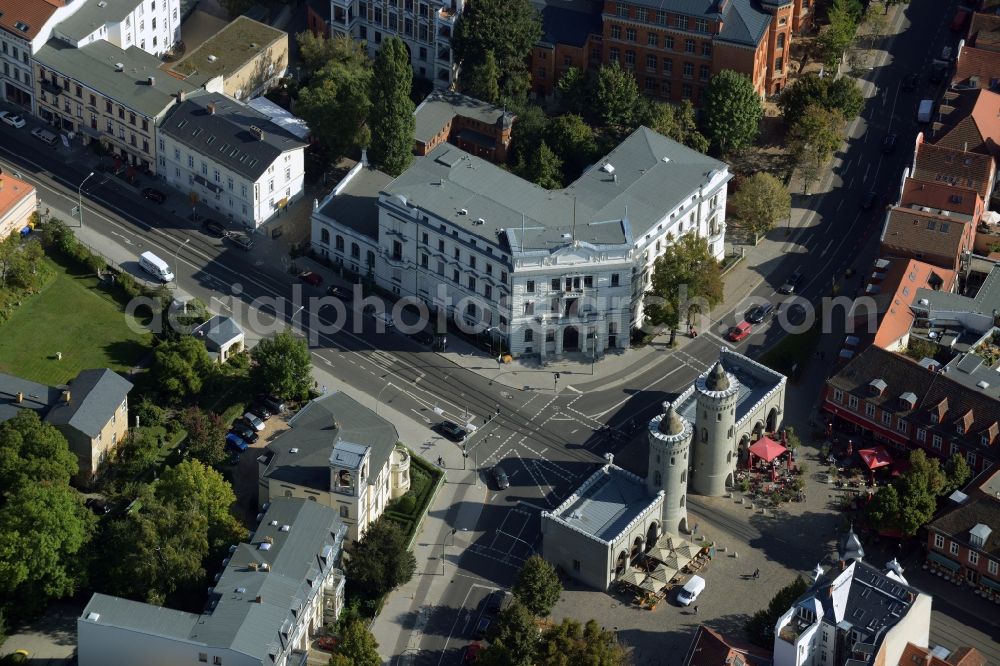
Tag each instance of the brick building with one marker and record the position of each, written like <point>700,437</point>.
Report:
<point>893,400</point>
<point>476,127</point>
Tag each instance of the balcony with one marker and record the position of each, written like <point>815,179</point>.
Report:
<point>51,88</point>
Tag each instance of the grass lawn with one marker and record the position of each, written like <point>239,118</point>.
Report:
<point>72,315</point>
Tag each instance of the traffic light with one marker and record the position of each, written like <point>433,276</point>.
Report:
<point>557,376</point>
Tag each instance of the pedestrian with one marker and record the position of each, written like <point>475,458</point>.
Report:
<point>695,610</point>
<point>756,574</point>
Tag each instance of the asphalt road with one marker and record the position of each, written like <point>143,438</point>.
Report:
<point>546,442</point>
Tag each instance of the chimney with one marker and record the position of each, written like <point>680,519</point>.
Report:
<point>181,96</point>
<point>211,108</point>
<point>151,81</point>
<point>66,396</point>
<point>20,397</point>
<point>258,600</point>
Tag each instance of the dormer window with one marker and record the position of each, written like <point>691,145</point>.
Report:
<point>960,428</point>
<point>934,419</point>
<point>876,387</point>
<point>984,439</point>
<point>908,401</point>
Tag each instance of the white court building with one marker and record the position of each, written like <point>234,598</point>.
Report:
<point>545,271</point>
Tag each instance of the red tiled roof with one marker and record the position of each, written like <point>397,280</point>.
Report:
<point>898,289</point>
<point>939,164</point>
<point>973,124</point>
<point>915,234</point>
<point>30,13</point>
<point>940,196</point>
<point>980,63</point>
<point>710,648</point>
<point>984,31</point>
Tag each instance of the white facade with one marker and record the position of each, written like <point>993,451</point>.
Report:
<point>151,25</point>
<point>16,84</point>
<point>251,202</point>
<point>425,26</point>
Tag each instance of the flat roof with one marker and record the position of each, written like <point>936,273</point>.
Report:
<point>227,50</point>
<point>606,503</point>
<point>93,15</point>
<point>440,107</point>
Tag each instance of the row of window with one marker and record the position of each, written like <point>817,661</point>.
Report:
<point>654,39</point>
<point>457,251</point>
<point>659,17</point>
<point>573,283</point>
<point>14,52</point>
<point>652,64</point>
<point>972,556</point>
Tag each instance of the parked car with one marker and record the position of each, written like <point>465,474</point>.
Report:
<point>494,603</point>
<point>274,404</point>
<point>154,195</point>
<point>500,478</point>
<point>472,652</point>
<point>245,432</point>
<point>328,643</point>
<point>386,319</point>
<point>261,410</point>
<point>739,332</point>
<point>242,241</point>
<point>452,431</point>
<point>937,73</point>
<point>791,284</point>
<point>44,136</point>
<point>214,228</point>
<point>483,627</point>
<point>99,507</point>
<point>12,119</point>
<point>868,201</point>
<point>234,458</point>
<point>309,277</point>
<point>889,143</point>
<point>254,420</point>
<point>910,82</point>
<point>235,443</point>
<point>691,590</point>
<point>760,313</point>
<point>339,292</point>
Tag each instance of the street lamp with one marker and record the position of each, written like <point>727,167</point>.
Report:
<point>79,196</point>
<point>176,252</point>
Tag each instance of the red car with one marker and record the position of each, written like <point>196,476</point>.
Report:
<point>472,652</point>
<point>309,277</point>
<point>739,332</point>
<point>328,643</point>
<point>958,23</point>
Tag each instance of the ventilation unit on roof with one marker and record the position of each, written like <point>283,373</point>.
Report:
<point>294,449</point>
<point>567,236</point>
<point>274,523</point>
<point>983,384</point>
<point>119,67</point>
<point>285,528</point>
<point>102,4</point>
<point>480,221</point>
<point>463,211</point>
<point>608,168</point>
<point>666,160</point>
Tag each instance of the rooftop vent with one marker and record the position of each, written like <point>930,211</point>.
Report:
<point>463,211</point>
<point>285,528</point>
<point>119,67</point>
<point>22,26</point>
<point>608,168</point>
<point>983,385</point>
<point>274,523</point>
<point>93,617</point>
<point>294,449</point>
<point>666,160</point>
<point>102,4</point>
<point>241,590</point>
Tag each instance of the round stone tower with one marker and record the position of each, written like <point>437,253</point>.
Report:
<point>669,441</point>
<point>713,455</point>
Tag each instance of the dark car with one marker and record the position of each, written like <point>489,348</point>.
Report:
<point>483,627</point>
<point>937,73</point>
<point>245,433</point>
<point>424,338</point>
<point>272,403</point>
<point>791,284</point>
<point>796,314</point>
<point>242,241</point>
<point>234,458</point>
<point>339,292</point>
<point>235,443</point>
<point>494,602</point>
<point>99,507</point>
<point>760,313</point>
<point>889,143</point>
<point>214,227</point>
<point>500,478</point>
<point>261,410</point>
<point>910,82</point>
<point>154,195</point>
<point>309,277</point>
<point>452,431</point>
<point>868,201</point>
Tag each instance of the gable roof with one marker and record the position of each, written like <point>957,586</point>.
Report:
<point>984,31</point>
<point>940,196</point>
<point>219,331</point>
<point>898,288</point>
<point>970,121</point>
<point>981,509</point>
<point>936,163</point>
<point>95,395</point>
<point>928,235</point>
<point>981,64</point>
<point>25,18</point>
<point>316,430</point>
<point>13,191</point>
<point>34,396</point>
<point>711,648</point>
<point>220,127</point>
<point>569,22</point>
<point>744,23</point>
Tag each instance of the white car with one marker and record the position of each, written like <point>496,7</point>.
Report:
<point>254,420</point>
<point>12,119</point>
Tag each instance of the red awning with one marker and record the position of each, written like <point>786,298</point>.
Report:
<point>875,458</point>
<point>767,449</point>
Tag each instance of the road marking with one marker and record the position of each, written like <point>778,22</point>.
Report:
<point>574,389</point>
<point>867,169</point>
<point>827,248</point>
<point>839,204</point>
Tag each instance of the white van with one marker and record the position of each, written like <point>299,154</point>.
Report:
<point>691,590</point>
<point>156,267</point>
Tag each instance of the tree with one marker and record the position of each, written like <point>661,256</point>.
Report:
<point>918,349</point>
<point>760,202</point>
<point>193,485</point>
<point>180,368</point>
<point>391,115</point>
<point>874,21</point>
<point>911,500</point>
<point>282,365</point>
<point>686,281</point>
<point>834,38</point>
<point>336,103</point>
<point>358,646</point>
<point>882,511</point>
<point>537,586</point>
<point>543,168</point>
<point>531,127</point>
<point>507,28</point>
<point>806,90</point>
<point>617,97</point>
<point>844,95</point>
<point>317,51</point>
<point>760,626</point>
<point>957,473</point>
<point>33,452</point>
<point>570,643</point>
<point>513,638</point>
<point>483,81</point>
<point>206,435</point>
<point>379,562</point>
<point>576,91</point>
<point>732,112</point>
<point>573,140</point>
<point>677,122</point>
<point>813,139</point>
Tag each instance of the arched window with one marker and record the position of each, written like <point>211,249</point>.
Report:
<point>672,461</point>
<point>657,479</point>
<point>718,417</point>
<point>324,236</point>
<point>370,259</point>
<point>684,477</point>
<point>704,435</point>
<point>355,251</point>
<point>781,41</point>
<point>340,243</point>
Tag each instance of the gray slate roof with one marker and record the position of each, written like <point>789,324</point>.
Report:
<point>605,503</point>
<point>94,397</point>
<point>234,618</point>
<point>449,180</point>
<point>94,66</point>
<point>34,396</point>
<point>986,301</point>
<point>92,15</point>
<point>755,382</point>
<point>440,107</point>
<point>354,206</point>
<point>219,331</point>
<point>313,433</point>
<point>569,21</point>
<point>226,136</point>
<point>744,23</point>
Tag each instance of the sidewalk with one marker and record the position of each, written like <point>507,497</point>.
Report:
<point>457,505</point>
